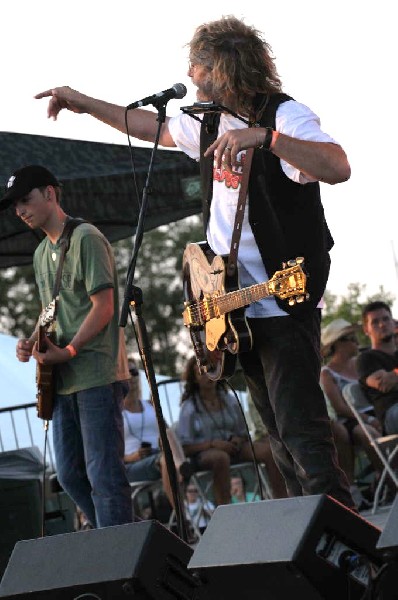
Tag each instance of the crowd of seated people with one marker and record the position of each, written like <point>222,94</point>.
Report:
<point>340,350</point>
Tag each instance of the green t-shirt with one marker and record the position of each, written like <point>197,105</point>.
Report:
<point>88,268</point>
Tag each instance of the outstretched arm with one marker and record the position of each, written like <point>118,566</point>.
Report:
<point>142,124</point>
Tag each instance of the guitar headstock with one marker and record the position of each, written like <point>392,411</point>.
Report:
<point>290,282</point>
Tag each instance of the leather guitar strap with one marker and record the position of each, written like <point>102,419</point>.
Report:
<point>240,211</point>
<point>64,243</point>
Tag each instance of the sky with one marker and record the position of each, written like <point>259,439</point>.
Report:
<point>337,57</point>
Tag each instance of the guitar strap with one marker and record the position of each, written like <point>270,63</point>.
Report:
<point>240,211</point>
<point>64,243</point>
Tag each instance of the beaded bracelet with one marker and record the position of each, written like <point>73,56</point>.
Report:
<point>72,350</point>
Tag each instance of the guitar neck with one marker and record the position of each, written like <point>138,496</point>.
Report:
<point>239,298</point>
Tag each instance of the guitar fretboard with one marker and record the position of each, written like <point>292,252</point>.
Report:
<point>240,298</point>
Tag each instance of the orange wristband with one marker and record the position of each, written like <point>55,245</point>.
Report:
<point>72,350</point>
<point>275,135</point>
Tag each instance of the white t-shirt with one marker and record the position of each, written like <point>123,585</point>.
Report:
<point>293,119</point>
<point>140,427</point>
<point>199,512</point>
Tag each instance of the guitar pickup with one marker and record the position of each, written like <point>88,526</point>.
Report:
<point>209,308</point>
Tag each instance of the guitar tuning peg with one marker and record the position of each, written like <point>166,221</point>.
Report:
<point>291,263</point>
<point>307,296</point>
<point>284,265</point>
<point>292,302</point>
<point>300,260</point>
<point>300,299</point>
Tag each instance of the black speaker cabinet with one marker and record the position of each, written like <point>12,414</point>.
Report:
<point>388,541</point>
<point>20,514</point>
<point>142,560</point>
<point>309,547</point>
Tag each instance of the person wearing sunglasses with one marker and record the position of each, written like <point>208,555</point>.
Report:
<point>143,457</point>
<point>340,349</point>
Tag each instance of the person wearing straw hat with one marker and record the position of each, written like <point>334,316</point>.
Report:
<point>340,348</point>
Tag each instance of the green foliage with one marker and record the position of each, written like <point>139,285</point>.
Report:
<point>350,305</point>
<point>19,301</point>
<point>158,275</point>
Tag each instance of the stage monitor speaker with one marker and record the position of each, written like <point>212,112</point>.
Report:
<point>142,560</point>
<point>388,541</point>
<point>308,547</point>
<point>20,514</point>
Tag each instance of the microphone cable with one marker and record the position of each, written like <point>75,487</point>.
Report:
<point>43,490</point>
<point>255,463</point>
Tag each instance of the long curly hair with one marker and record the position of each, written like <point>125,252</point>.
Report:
<point>191,386</point>
<point>241,61</point>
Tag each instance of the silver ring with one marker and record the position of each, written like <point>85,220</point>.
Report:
<point>227,148</point>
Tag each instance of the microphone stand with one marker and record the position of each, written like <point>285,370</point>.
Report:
<point>133,297</point>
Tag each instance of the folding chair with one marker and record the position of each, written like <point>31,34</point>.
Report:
<point>386,447</point>
<point>148,487</point>
<point>206,481</point>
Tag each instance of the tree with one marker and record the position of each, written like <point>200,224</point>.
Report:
<point>19,301</point>
<point>158,275</point>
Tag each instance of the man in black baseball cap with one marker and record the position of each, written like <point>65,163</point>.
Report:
<point>87,349</point>
<point>25,180</point>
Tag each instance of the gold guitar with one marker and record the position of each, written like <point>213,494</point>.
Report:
<point>45,380</point>
<point>215,306</point>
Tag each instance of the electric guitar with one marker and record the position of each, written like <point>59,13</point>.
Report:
<point>45,376</point>
<point>215,306</point>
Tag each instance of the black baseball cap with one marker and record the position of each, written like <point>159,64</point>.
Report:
<point>25,180</point>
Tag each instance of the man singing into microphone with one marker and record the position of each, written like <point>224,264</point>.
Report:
<point>231,64</point>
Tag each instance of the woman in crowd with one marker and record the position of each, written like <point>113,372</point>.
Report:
<point>144,459</point>
<point>212,431</point>
<point>340,349</point>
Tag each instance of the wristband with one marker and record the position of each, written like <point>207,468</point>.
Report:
<point>396,371</point>
<point>72,350</point>
<point>267,140</point>
<point>275,135</point>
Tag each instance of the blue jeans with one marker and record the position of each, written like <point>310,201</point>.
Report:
<point>282,372</point>
<point>391,420</point>
<point>146,469</point>
<point>89,449</point>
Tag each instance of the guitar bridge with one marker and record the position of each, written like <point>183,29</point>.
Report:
<point>191,316</point>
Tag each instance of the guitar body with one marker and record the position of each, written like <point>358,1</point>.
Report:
<point>45,374</point>
<point>215,306</point>
<point>217,341</point>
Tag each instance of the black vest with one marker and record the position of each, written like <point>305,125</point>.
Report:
<point>287,218</point>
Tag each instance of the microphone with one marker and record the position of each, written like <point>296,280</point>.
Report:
<point>177,91</point>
